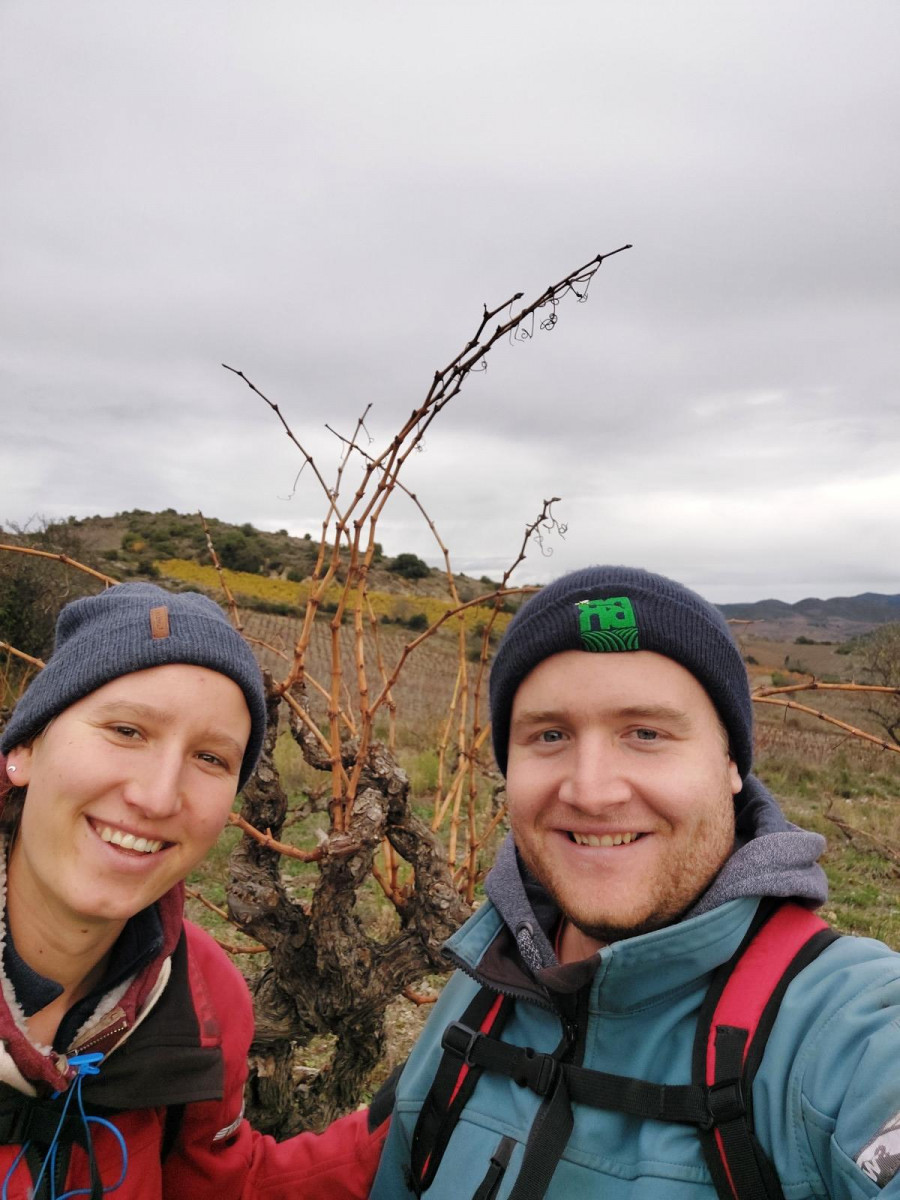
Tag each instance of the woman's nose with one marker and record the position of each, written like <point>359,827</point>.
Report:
<point>156,787</point>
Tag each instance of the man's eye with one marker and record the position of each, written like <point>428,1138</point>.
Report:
<point>646,735</point>
<point>550,736</point>
<point>126,731</point>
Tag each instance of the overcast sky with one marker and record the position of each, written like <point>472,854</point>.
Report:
<point>324,195</point>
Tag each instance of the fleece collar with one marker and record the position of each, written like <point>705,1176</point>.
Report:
<point>114,1014</point>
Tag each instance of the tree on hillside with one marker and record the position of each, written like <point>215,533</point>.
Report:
<point>32,591</point>
<point>880,655</point>
<point>240,551</point>
<point>410,566</point>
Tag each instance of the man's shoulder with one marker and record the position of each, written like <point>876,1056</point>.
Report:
<point>858,962</point>
<point>844,1001</point>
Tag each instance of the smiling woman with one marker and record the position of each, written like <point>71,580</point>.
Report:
<point>124,1028</point>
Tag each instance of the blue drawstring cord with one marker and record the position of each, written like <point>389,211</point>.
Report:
<point>84,1064</point>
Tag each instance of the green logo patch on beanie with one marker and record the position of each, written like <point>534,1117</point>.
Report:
<point>607,625</point>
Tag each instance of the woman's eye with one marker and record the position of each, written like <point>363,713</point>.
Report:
<point>126,731</point>
<point>213,760</point>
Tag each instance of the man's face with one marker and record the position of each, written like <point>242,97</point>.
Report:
<point>620,788</point>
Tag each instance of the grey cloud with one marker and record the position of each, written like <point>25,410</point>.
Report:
<point>325,197</point>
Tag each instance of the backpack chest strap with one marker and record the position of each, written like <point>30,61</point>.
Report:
<point>687,1104</point>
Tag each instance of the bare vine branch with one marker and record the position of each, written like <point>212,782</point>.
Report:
<point>65,560</point>
<point>331,848</point>
<point>223,583</point>
<point>814,685</point>
<point>814,712</point>
<point>29,658</point>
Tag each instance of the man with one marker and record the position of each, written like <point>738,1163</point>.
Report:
<point>643,854</point>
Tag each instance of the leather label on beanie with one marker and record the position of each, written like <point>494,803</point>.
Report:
<point>159,622</point>
<point>607,625</point>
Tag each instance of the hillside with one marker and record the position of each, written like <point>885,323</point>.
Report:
<point>138,544</point>
<point>129,544</point>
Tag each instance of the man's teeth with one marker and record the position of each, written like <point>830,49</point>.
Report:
<point>128,841</point>
<point>608,839</point>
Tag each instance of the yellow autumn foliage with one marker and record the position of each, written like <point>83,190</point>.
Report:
<point>391,605</point>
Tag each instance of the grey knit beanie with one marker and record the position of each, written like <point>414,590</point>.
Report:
<point>610,609</point>
<point>128,628</point>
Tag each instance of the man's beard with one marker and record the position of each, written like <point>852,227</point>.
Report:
<point>688,880</point>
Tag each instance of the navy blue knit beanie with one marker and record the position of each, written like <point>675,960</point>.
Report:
<point>131,627</point>
<point>611,609</point>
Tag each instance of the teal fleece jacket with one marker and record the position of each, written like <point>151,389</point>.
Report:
<point>826,1097</point>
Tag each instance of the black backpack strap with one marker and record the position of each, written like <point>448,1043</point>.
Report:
<point>560,1083</point>
<point>547,1139</point>
<point>733,1027</point>
<point>171,1129</point>
<point>683,1103</point>
<point>453,1084</point>
<point>35,1123</point>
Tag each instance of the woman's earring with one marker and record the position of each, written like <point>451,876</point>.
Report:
<point>11,768</point>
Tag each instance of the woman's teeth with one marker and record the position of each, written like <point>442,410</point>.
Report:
<point>128,841</point>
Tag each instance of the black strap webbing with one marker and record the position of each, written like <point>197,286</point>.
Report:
<point>453,1085</point>
<point>487,1189</point>
<point>683,1103</point>
<point>547,1140</point>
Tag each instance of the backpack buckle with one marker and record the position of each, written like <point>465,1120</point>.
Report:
<point>538,1073</point>
<point>460,1040</point>
<point>725,1102</point>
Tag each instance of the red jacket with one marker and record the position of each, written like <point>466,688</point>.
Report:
<point>177,1053</point>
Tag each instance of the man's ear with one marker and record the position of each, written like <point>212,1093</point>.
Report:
<point>734,777</point>
<point>19,757</point>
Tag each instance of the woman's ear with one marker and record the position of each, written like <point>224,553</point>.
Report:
<point>18,765</point>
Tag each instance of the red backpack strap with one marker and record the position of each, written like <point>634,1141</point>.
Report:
<point>734,1025</point>
<point>453,1084</point>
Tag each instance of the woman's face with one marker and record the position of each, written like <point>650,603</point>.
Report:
<point>127,791</point>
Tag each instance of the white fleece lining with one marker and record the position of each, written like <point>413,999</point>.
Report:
<point>9,1072</point>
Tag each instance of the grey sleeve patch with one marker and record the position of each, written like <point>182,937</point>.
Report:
<point>880,1159</point>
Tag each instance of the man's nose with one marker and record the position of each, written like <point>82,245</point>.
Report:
<point>156,787</point>
<point>597,778</point>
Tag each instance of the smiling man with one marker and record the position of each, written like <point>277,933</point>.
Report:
<point>648,958</point>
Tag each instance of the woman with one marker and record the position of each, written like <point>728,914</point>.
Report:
<point>124,1029</point>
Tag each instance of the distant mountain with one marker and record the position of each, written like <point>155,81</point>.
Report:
<point>871,608</point>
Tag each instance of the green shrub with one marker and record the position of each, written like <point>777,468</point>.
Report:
<point>238,552</point>
<point>410,566</point>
